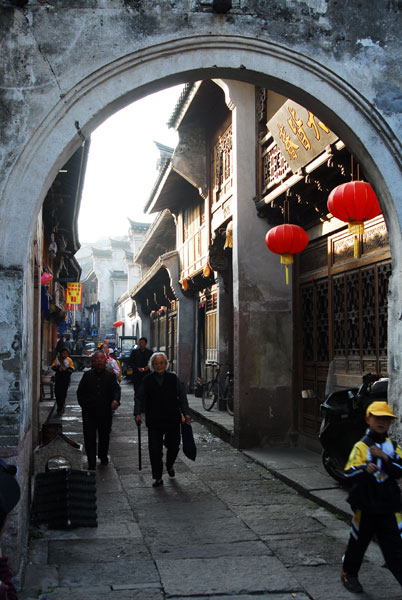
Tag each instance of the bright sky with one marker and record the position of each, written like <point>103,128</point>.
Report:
<point>121,168</point>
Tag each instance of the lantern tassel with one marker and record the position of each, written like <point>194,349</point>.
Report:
<point>356,247</point>
<point>356,228</point>
<point>287,259</point>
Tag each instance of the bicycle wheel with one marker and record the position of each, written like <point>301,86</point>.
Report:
<point>229,397</point>
<point>209,396</point>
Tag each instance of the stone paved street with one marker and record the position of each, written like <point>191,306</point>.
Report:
<point>223,528</point>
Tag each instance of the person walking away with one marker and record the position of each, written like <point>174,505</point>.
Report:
<point>63,366</point>
<point>139,359</point>
<point>374,465</point>
<point>9,497</point>
<point>98,394</point>
<point>112,355</point>
<point>61,343</point>
<point>163,399</point>
<point>68,344</point>
<point>111,364</point>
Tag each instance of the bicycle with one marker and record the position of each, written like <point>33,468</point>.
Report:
<point>212,388</point>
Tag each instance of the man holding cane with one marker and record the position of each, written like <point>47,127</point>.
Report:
<point>163,399</point>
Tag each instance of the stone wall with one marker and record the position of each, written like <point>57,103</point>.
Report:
<point>67,66</point>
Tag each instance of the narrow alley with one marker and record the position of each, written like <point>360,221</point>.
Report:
<point>223,527</point>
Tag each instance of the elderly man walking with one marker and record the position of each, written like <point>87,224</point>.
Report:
<point>98,395</point>
<point>163,399</point>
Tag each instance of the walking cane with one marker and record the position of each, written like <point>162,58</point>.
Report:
<point>139,446</point>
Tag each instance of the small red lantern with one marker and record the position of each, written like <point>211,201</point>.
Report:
<point>46,278</point>
<point>118,324</point>
<point>354,202</point>
<point>286,240</point>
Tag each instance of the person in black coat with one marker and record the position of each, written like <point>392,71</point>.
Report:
<point>98,395</point>
<point>63,366</point>
<point>163,399</point>
<point>139,359</point>
<point>9,496</point>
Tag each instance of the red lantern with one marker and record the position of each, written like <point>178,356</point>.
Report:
<point>286,240</point>
<point>46,278</point>
<point>354,202</point>
<point>118,324</point>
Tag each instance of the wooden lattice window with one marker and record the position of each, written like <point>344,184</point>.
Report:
<point>172,340</point>
<point>384,273</point>
<point>210,336</point>
<point>155,333</point>
<point>274,166</point>
<point>222,165</point>
<point>162,334</point>
<point>315,321</point>
<point>360,309</point>
<point>193,217</point>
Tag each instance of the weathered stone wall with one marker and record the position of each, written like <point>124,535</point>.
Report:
<point>48,86</point>
<point>68,64</point>
<point>11,329</point>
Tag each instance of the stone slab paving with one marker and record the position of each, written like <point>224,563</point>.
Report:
<point>235,574</point>
<point>225,527</point>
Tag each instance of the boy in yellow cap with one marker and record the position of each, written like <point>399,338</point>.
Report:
<point>374,465</point>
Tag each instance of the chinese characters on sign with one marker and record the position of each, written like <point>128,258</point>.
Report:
<point>300,135</point>
<point>74,293</point>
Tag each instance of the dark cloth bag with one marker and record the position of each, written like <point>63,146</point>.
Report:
<point>187,439</point>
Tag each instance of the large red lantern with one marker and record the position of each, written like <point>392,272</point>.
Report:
<point>118,323</point>
<point>354,202</point>
<point>286,240</point>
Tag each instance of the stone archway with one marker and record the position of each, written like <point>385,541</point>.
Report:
<point>70,118</point>
<point>65,93</point>
<point>120,82</point>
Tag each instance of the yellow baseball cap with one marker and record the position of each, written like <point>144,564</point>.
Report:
<point>380,409</point>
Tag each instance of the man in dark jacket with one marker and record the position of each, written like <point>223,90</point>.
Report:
<point>98,395</point>
<point>139,359</point>
<point>163,399</point>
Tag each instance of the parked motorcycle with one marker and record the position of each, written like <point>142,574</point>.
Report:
<point>344,421</point>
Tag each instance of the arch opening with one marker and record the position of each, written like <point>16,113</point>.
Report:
<point>93,99</point>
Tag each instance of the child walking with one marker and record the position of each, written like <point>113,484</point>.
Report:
<point>374,465</point>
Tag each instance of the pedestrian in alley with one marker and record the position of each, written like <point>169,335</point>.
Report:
<point>61,343</point>
<point>374,465</point>
<point>139,359</point>
<point>98,395</point>
<point>111,363</point>
<point>113,356</point>
<point>163,399</point>
<point>63,366</point>
<point>9,496</point>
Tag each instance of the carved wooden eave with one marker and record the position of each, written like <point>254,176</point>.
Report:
<point>102,252</point>
<point>171,191</point>
<point>62,204</point>
<point>159,239</point>
<point>183,103</point>
<point>155,288</point>
<point>137,226</point>
<point>119,244</point>
<point>307,190</point>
